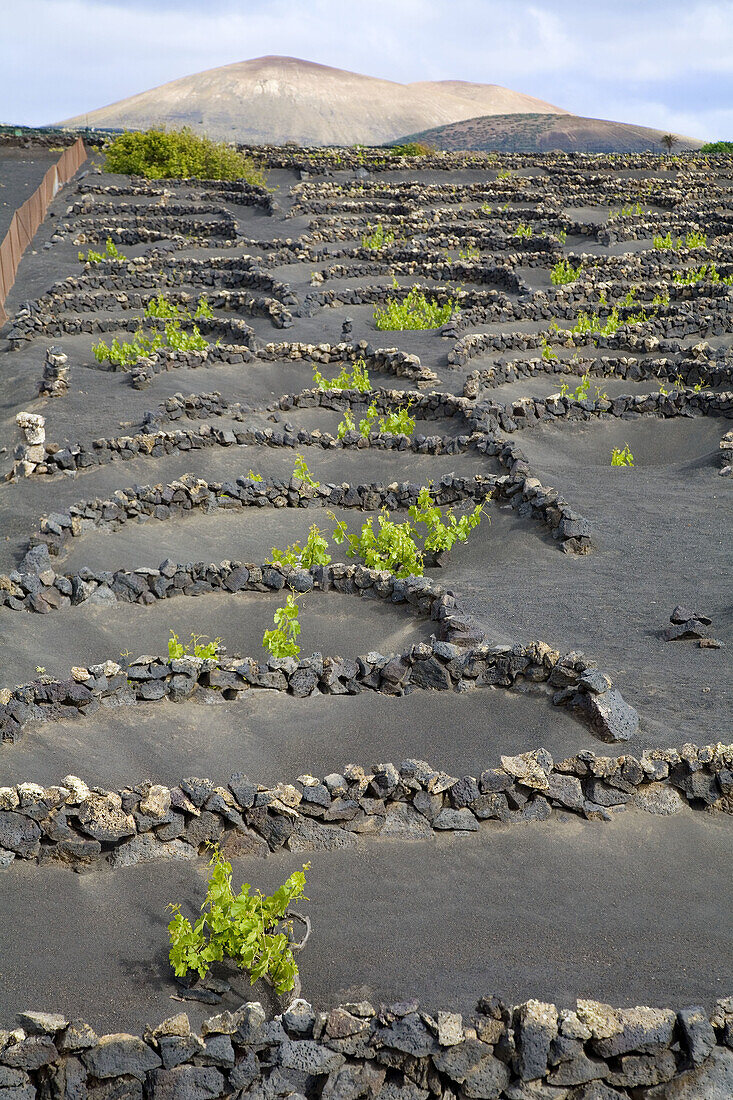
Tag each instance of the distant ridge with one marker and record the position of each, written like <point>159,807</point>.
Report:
<point>279,99</point>
<point>542,133</point>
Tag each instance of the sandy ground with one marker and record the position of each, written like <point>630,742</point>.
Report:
<point>21,171</point>
<point>554,911</point>
<point>164,743</point>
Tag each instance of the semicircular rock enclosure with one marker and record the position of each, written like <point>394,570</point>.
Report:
<point>499,739</point>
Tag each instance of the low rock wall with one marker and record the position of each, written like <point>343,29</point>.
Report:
<point>498,1052</point>
<point>81,826</point>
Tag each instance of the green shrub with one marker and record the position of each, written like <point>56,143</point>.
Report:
<point>415,312</point>
<point>250,929</point>
<point>178,154</point>
<point>391,547</point>
<point>192,649</point>
<point>315,551</point>
<point>180,340</point>
<point>441,535</point>
<point>622,457</point>
<point>111,252</point>
<point>523,231</point>
<point>717,148</point>
<point>346,424</point>
<point>125,353</point>
<point>281,642</point>
<point>582,391</point>
<point>302,473</point>
<point>411,149</point>
<point>563,272</point>
<point>693,239</point>
<point>398,422</point>
<point>697,275</point>
<point>163,308</point>
<point>378,238</point>
<point>394,547</point>
<point>358,379</point>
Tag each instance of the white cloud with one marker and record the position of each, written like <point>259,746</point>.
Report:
<point>62,57</point>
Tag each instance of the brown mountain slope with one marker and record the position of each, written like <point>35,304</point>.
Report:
<point>278,99</point>
<point>492,99</point>
<point>542,133</point>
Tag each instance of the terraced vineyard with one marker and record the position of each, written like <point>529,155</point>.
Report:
<point>509,771</point>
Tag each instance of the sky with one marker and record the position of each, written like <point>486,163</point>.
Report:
<point>667,65</point>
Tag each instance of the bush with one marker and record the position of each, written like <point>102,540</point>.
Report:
<point>398,422</point>
<point>563,272</point>
<point>163,308</point>
<point>358,379</point>
<point>582,391</point>
<point>693,239</point>
<point>315,551</point>
<point>411,149</point>
<point>111,252</point>
<point>123,353</point>
<point>281,642</point>
<point>194,649</point>
<point>242,927</point>
<point>622,457</point>
<point>302,473</point>
<point>415,312</point>
<point>698,275</point>
<point>442,536</point>
<point>378,238</point>
<point>717,148</point>
<point>392,547</point>
<point>178,154</point>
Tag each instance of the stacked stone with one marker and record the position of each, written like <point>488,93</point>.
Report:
<point>77,825</point>
<point>31,453</point>
<point>499,1052</point>
<point>55,381</point>
<point>525,411</point>
<point>699,364</point>
<point>163,502</point>
<point>460,661</point>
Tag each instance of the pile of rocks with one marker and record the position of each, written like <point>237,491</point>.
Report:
<point>433,406</point>
<point>32,452</point>
<point>690,624</point>
<point>53,459</point>
<point>55,380</point>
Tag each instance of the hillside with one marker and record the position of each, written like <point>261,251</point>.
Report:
<point>279,99</point>
<point>543,133</point>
